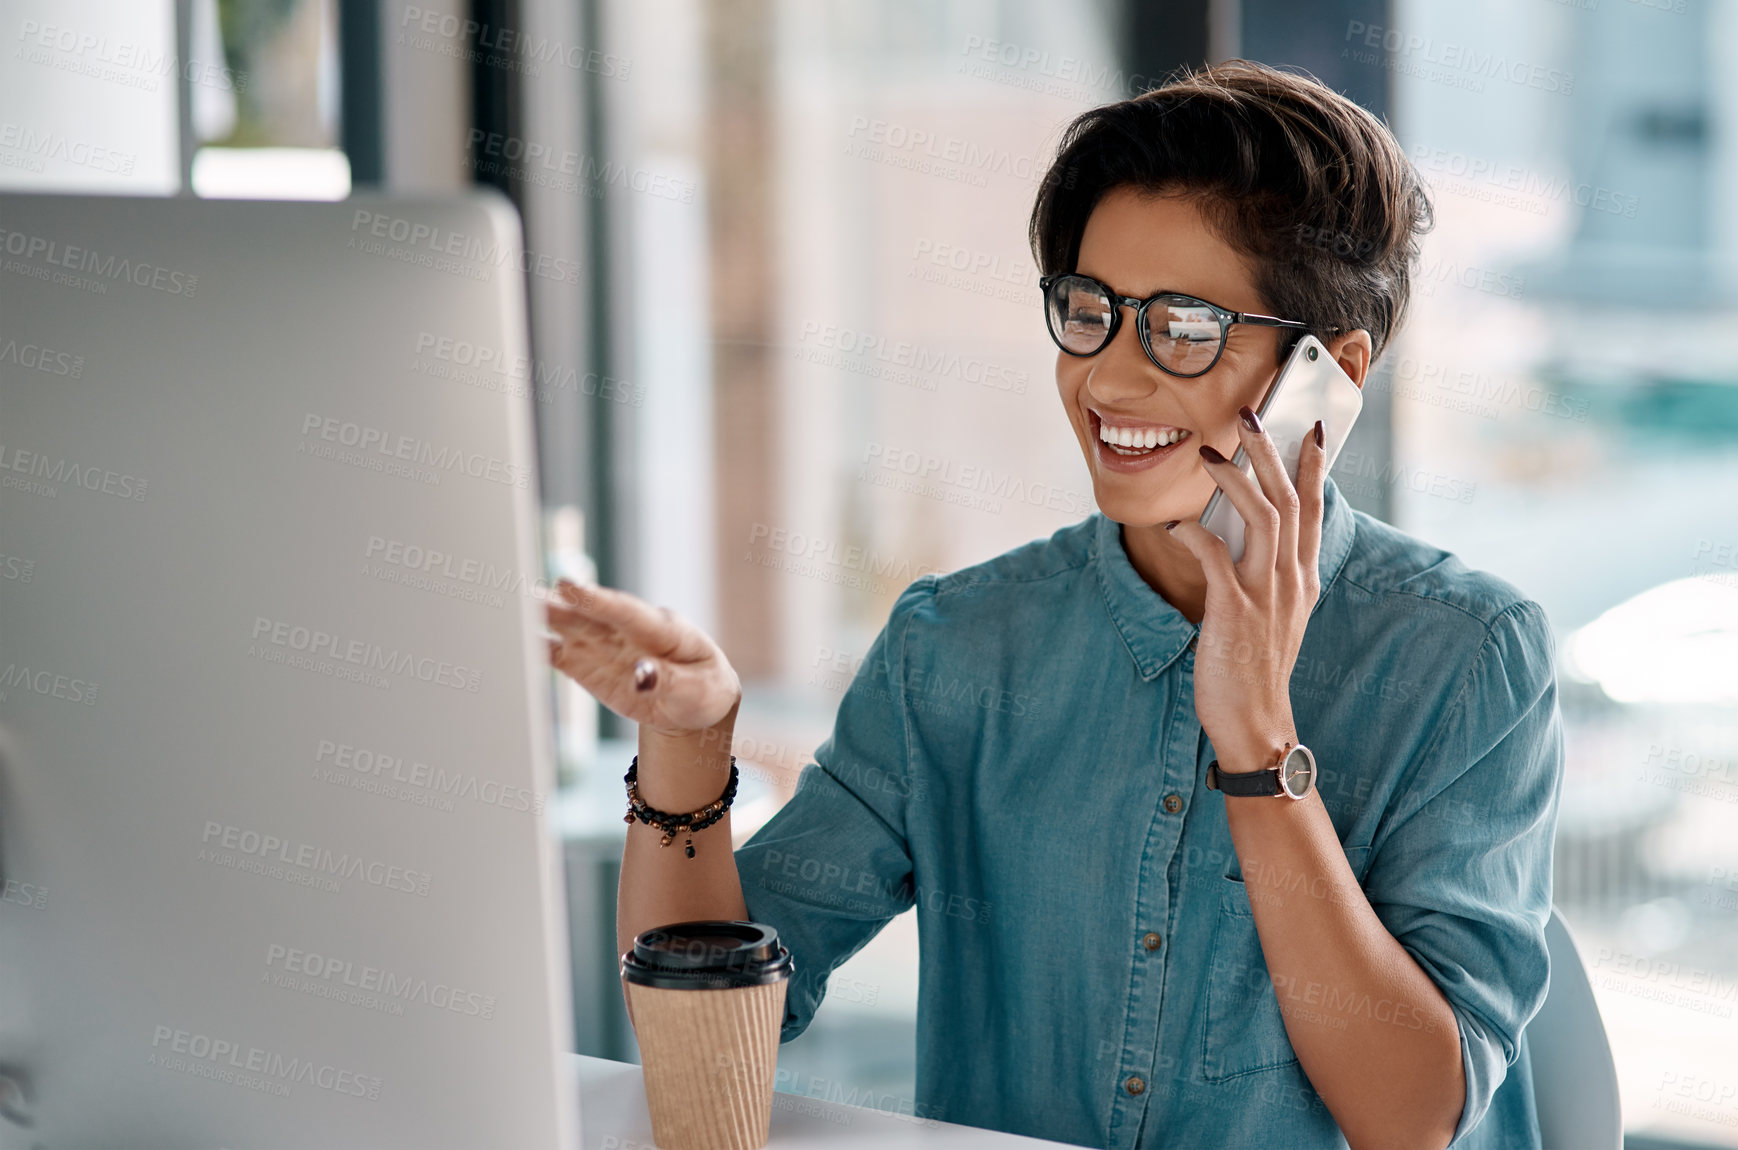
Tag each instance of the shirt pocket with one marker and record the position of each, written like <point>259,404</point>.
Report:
<point>1245,1032</point>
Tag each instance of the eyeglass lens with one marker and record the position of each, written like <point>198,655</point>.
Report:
<point>1183,333</point>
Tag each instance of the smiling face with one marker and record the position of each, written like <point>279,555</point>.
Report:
<point>1139,245</point>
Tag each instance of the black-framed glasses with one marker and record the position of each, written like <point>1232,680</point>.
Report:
<point>1183,335</point>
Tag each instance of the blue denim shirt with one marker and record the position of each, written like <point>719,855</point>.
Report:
<point>1019,757</point>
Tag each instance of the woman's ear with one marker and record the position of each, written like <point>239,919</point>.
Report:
<point>1352,349</point>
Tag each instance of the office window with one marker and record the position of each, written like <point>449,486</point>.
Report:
<point>106,96</point>
<point>267,122</point>
<point>1566,409</point>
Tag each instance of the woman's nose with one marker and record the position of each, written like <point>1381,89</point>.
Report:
<point>1122,370</point>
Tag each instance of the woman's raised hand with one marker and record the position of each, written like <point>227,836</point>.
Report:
<point>1257,608</point>
<point>645,663</point>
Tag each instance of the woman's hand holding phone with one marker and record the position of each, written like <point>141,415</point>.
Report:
<point>1258,607</point>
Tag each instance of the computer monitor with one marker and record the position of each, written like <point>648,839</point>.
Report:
<point>274,865</point>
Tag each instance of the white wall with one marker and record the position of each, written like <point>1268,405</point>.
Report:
<point>88,95</point>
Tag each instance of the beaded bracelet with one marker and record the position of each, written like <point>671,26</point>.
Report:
<point>673,825</point>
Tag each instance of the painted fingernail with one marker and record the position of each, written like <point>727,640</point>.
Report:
<point>1249,419</point>
<point>645,675</point>
<point>1318,433</point>
<point>1211,454</point>
<point>1172,524</point>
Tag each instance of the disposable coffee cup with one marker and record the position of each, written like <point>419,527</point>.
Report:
<point>706,1001</point>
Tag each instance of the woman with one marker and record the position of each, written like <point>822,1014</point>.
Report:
<point>1112,951</point>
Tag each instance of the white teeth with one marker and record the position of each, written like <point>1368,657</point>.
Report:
<point>1143,439</point>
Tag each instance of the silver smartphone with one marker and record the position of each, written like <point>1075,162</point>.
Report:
<point>1311,386</point>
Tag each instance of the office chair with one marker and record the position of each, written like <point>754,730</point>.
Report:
<point>1574,1077</point>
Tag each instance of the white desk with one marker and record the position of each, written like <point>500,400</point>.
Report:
<point>613,1116</point>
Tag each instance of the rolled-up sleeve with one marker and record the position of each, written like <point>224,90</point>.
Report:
<point>1462,877</point>
<point>832,866</point>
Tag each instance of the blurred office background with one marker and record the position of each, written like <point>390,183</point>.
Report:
<point>805,362</point>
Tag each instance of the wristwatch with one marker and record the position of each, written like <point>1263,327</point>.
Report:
<point>1293,778</point>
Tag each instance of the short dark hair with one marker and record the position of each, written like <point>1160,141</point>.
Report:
<point>1309,186</point>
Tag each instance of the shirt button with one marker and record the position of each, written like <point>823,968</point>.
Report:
<point>1151,941</point>
<point>1134,1085</point>
<point>1173,804</point>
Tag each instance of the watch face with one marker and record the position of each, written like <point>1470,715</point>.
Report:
<point>1298,773</point>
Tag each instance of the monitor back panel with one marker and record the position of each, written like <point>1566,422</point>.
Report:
<point>274,863</point>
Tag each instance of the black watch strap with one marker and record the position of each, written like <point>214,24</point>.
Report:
<point>1264,782</point>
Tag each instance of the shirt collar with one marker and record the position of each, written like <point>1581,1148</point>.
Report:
<point>1155,632</point>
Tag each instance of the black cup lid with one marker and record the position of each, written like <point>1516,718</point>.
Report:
<point>708,954</point>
